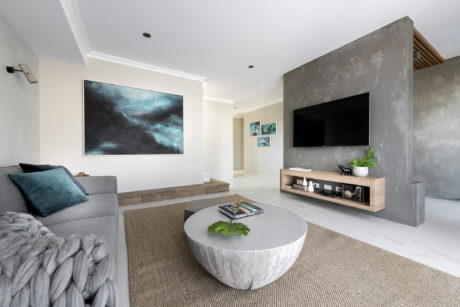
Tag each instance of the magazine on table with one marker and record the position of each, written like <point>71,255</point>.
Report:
<point>245,209</point>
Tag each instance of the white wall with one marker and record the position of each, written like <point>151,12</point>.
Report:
<point>19,101</point>
<point>61,125</point>
<point>265,161</point>
<point>238,143</point>
<point>218,139</point>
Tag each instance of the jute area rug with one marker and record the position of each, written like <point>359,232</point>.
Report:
<point>332,270</point>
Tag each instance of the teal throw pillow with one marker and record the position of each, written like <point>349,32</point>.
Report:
<point>49,191</point>
<point>30,168</point>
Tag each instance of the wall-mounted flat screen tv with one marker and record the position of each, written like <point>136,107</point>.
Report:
<point>342,122</point>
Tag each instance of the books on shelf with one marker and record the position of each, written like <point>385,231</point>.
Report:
<point>246,209</point>
<point>300,187</point>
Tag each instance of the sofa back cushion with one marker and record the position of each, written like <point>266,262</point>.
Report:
<point>10,196</point>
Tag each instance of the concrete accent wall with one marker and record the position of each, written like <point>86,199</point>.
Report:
<point>19,101</point>
<point>218,139</point>
<point>238,144</point>
<point>437,128</point>
<point>379,63</point>
<point>61,125</point>
<point>265,161</point>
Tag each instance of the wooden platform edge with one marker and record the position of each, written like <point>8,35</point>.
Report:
<point>145,196</point>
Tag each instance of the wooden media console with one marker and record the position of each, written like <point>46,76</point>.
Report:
<point>375,187</point>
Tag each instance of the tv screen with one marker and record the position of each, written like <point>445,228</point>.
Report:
<point>342,122</point>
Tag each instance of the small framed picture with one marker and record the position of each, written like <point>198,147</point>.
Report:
<point>254,129</point>
<point>269,128</point>
<point>353,192</point>
<point>264,141</point>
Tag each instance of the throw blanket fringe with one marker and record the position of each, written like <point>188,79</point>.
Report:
<point>38,268</point>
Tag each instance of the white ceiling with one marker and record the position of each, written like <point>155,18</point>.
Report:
<point>43,25</point>
<point>218,39</point>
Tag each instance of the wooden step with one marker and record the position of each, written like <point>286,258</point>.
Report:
<point>145,196</point>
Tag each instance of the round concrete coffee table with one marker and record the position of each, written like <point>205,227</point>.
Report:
<point>266,253</point>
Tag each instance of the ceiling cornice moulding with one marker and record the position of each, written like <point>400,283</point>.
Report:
<point>141,65</point>
<point>72,15</point>
<point>262,106</point>
<point>207,98</point>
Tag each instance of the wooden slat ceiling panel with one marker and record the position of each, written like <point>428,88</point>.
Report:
<point>428,55</point>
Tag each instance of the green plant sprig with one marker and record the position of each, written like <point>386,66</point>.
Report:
<point>229,228</point>
<point>370,160</point>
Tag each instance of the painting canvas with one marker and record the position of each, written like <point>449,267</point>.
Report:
<point>269,128</point>
<point>263,141</point>
<point>122,120</point>
<point>254,128</point>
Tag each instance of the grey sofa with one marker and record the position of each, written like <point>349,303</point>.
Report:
<point>99,215</point>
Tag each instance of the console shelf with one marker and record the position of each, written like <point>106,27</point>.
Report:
<point>376,187</point>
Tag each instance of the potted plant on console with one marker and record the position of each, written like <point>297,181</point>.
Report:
<point>361,166</point>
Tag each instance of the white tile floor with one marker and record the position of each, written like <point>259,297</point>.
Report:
<point>435,243</point>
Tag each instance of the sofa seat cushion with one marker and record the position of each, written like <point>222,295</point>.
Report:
<point>96,206</point>
<point>10,196</point>
<point>103,227</point>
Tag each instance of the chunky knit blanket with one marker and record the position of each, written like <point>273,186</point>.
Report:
<point>38,268</point>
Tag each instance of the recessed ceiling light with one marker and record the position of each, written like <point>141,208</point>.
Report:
<point>146,35</point>
<point>251,66</point>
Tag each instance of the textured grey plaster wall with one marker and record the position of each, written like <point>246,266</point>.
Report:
<point>19,101</point>
<point>437,128</point>
<point>379,63</point>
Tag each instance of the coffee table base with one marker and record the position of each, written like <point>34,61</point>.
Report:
<point>247,269</point>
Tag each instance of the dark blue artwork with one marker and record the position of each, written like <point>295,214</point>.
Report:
<point>122,120</point>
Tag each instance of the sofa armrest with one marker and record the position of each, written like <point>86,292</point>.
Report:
<point>99,184</point>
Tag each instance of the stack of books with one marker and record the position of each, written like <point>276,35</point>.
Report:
<point>246,209</point>
<point>300,187</point>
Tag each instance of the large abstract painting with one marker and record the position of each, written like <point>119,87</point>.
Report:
<point>122,120</point>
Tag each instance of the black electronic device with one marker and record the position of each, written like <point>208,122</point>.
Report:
<point>342,122</point>
<point>327,193</point>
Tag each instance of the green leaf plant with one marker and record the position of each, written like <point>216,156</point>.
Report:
<point>229,228</point>
<point>370,160</point>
